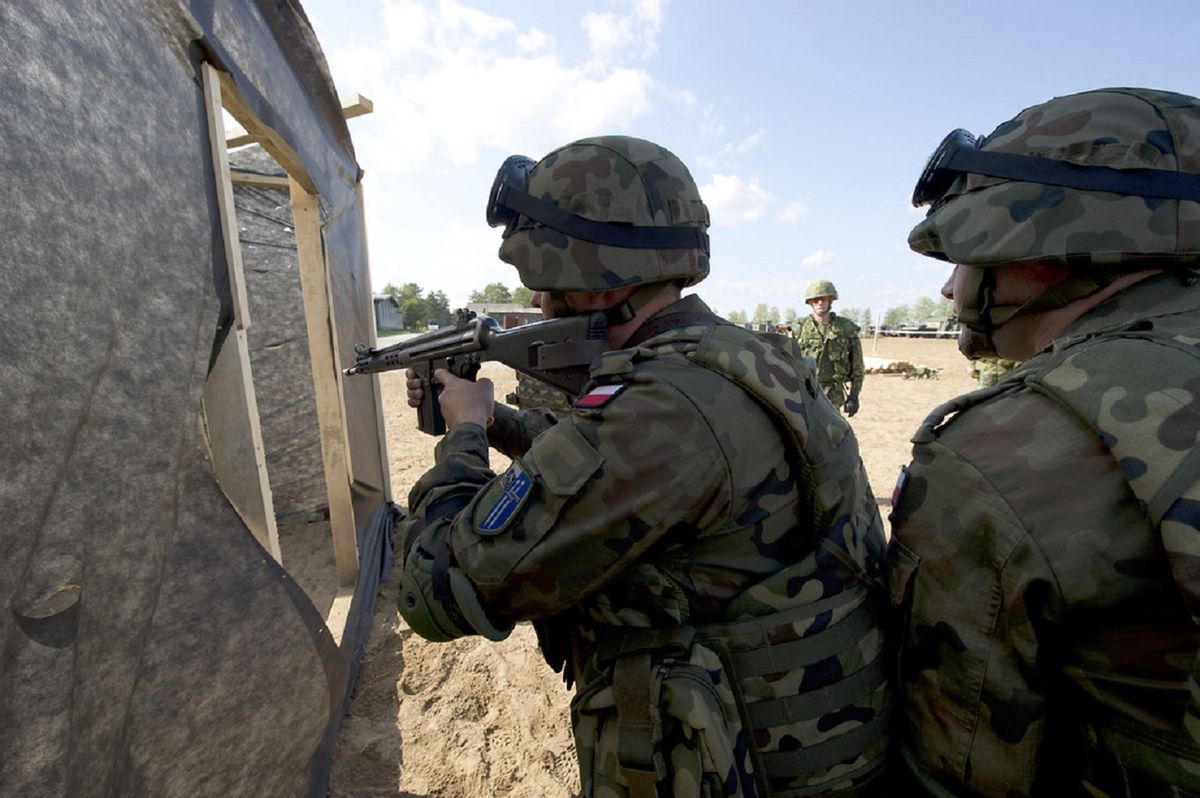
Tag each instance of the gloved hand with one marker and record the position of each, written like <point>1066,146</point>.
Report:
<point>851,405</point>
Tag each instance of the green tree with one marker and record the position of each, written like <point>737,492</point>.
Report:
<point>522,296</point>
<point>762,314</point>
<point>492,292</point>
<point>924,309</point>
<point>791,316</point>
<point>894,317</point>
<point>413,307</point>
<point>439,308</point>
<point>737,316</point>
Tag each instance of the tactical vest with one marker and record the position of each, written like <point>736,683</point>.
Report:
<point>788,694</point>
<point>1085,376</point>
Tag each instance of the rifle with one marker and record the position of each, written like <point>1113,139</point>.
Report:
<point>555,351</point>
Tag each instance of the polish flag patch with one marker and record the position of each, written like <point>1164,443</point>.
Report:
<point>599,396</point>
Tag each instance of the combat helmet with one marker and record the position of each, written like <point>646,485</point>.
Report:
<point>1102,181</point>
<point>599,214</point>
<point>819,288</point>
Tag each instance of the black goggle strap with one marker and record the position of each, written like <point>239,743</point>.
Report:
<point>1157,183</point>
<point>613,235</point>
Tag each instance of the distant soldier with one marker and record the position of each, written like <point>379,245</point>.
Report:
<point>695,542</point>
<point>833,344</point>
<point>988,371</point>
<point>1045,556</point>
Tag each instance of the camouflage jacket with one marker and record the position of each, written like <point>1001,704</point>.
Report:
<point>668,501</point>
<point>1046,575</point>
<point>837,351</point>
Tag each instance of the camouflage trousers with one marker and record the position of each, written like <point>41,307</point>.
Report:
<point>835,392</point>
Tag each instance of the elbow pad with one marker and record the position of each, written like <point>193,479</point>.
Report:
<point>442,617</point>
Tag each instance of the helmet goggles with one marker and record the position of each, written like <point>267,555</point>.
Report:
<point>960,153</point>
<point>509,200</point>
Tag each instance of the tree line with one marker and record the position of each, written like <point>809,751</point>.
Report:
<point>419,309</point>
<point>924,310</point>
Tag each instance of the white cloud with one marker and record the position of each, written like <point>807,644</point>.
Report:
<point>818,258</point>
<point>732,199</point>
<point>534,41</point>
<point>450,81</point>
<point>613,37</point>
<point>791,212</point>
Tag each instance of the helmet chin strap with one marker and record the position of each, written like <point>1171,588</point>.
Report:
<point>980,315</point>
<point>620,313</point>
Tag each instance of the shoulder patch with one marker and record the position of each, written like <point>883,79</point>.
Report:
<point>600,395</point>
<point>502,499</point>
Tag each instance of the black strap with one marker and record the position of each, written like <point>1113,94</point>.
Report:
<point>1034,169</point>
<point>614,235</point>
<point>670,321</point>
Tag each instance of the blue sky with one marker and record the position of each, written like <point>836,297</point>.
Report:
<point>805,124</point>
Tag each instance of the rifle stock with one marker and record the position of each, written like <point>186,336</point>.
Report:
<point>556,351</point>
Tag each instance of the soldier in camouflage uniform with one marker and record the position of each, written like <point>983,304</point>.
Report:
<point>833,344</point>
<point>695,543</point>
<point>1045,557</point>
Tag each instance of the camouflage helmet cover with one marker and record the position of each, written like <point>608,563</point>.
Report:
<point>989,221</point>
<point>617,180</point>
<point>818,288</point>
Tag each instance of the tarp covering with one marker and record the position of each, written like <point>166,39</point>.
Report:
<point>148,645</point>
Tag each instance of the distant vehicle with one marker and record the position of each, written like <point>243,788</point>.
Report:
<point>433,325</point>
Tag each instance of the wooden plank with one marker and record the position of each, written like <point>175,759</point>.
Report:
<point>220,159</point>
<point>230,404</point>
<point>366,301</point>
<point>357,105</point>
<point>327,381</point>
<point>235,441</point>
<point>271,141</point>
<point>255,180</point>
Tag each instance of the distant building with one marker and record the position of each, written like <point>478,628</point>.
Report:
<point>387,313</point>
<point>507,314</point>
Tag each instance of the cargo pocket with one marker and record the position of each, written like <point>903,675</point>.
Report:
<point>687,742</point>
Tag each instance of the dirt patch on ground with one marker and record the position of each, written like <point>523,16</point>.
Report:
<point>473,718</point>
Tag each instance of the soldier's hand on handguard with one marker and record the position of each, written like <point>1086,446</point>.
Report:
<point>464,401</point>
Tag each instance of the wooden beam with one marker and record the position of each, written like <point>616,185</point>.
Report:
<point>235,441</point>
<point>255,180</point>
<point>357,105</point>
<point>327,381</point>
<point>270,140</point>
<point>230,405</point>
<point>220,158</point>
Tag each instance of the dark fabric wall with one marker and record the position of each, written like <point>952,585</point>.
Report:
<point>148,646</point>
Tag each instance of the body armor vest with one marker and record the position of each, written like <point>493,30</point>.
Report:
<point>1125,757</point>
<point>794,671</point>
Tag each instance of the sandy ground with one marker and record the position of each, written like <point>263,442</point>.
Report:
<point>473,718</point>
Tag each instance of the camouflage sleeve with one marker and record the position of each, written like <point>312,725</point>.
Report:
<point>973,591</point>
<point>1182,547</point>
<point>590,497</point>
<point>460,470</point>
<point>514,430</point>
